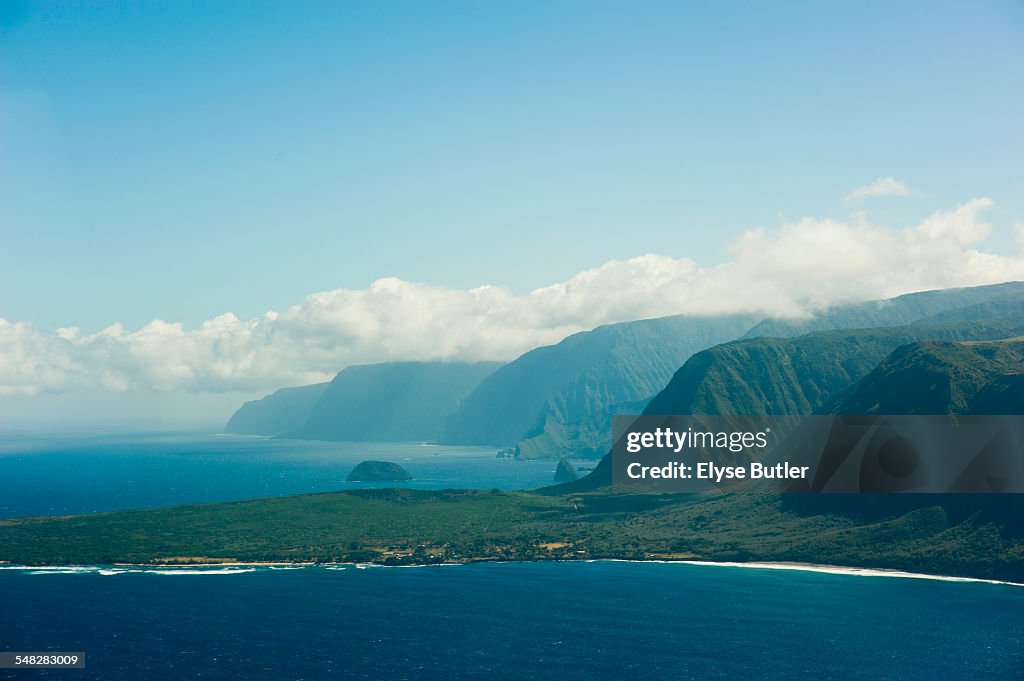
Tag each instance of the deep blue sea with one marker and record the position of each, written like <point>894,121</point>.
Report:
<point>55,475</point>
<point>549,621</point>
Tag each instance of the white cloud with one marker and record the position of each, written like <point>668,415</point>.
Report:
<point>883,186</point>
<point>789,270</point>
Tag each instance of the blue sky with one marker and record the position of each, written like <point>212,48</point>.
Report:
<point>180,160</point>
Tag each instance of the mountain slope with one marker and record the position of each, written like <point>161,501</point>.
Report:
<point>391,402</point>
<point>798,376</point>
<point>794,376</point>
<point>281,411</point>
<point>939,377</point>
<point>560,398</point>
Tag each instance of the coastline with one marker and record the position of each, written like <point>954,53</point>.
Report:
<point>250,566</point>
<point>851,571</point>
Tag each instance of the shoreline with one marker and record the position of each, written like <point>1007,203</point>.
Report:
<point>249,566</point>
<point>850,571</point>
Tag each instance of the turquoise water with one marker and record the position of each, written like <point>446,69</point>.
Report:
<point>558,621</point>
<point>42,475</point>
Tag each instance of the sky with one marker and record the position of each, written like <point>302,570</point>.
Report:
<point>214,199</point>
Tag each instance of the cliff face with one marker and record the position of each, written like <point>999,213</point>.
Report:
<point>794,376</point>
<point>390,402</point>
<point>393,402</point>
<point>280,412</point>
<point>912,369</point>
<point>560,399</point>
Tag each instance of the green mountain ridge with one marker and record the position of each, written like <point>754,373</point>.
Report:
<point>939,377</point>
<point>796,376</point>
<point>560,398</point>
<point>799,376</point>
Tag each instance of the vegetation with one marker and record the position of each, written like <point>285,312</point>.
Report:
<point>796,376</point>
<point>936,377</point>
<point>378,471</point>
<point>559,399</point>
<point>417,527</point>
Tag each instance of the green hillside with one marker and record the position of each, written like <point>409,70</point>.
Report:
<point>799,376</point>
<point>1002,395</point>
<point>794,376</point>
<point>560,398</point>
<point>939,377</point>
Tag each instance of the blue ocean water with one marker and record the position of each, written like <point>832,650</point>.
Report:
<point>522,621</point>
<point>48,475</point>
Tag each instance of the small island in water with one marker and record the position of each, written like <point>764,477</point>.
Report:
<point>378,471</point>
<point>565,472</point>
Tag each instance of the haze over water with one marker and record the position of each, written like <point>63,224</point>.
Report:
<point>44,475</point>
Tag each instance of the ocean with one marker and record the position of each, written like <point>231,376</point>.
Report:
<point>57,475</point>
<point>515,621</point>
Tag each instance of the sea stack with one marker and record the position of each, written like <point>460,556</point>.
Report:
<point>378,471</point>
<point>565,471</point>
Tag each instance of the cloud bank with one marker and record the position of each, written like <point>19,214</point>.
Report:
<point>883,186</point>
<point>790,270</point>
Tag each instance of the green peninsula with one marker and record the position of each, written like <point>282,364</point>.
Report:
<point>922,533</point>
